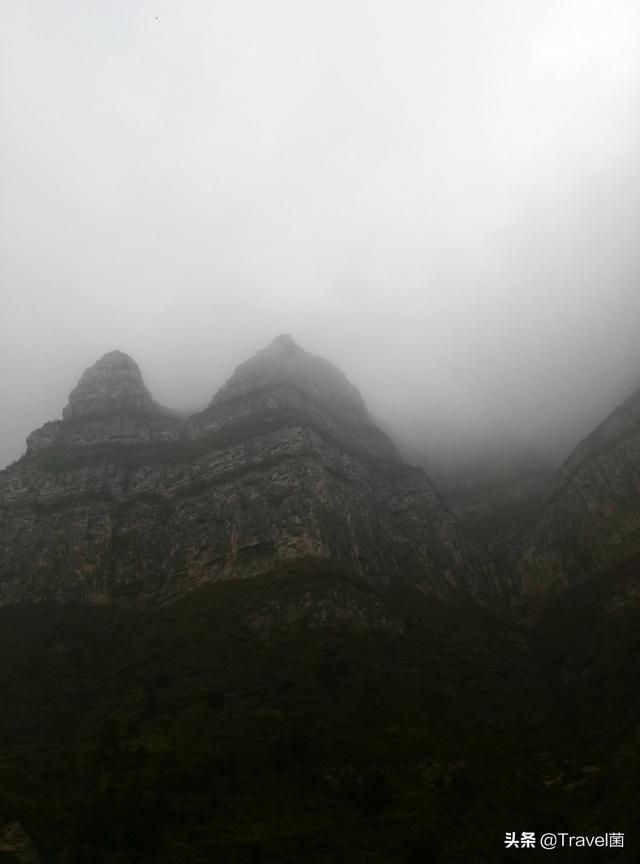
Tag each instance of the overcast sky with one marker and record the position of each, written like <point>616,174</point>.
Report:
<point>441,197</point>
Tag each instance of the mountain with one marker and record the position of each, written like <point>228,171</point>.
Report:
<point>590,520</point>
<point>363,697</point>
<point>122,502</point>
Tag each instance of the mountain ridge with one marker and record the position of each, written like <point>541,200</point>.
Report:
<point>358,699</point>
<point>589,521</point>
<point>120,501</point>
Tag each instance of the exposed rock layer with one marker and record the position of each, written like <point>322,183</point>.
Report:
<point>591,519</point>
<point>120,502</point>
<point>113,384</point>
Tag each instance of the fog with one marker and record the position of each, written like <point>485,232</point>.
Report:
<point>442,198</point>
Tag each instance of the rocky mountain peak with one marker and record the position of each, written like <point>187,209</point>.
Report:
<point>285,365</point>
<point>284,342</point>
<point>622,423</point>
<point>135,506</point>
<point>589,523</point>
<point>112,385</point>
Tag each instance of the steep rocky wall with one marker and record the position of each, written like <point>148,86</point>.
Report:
<point>132,506</point>
<point>591,520</point>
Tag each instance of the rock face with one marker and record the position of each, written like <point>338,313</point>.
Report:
<point>113,384</point>
<point>591,519</point>
<point>110,404</point>
<point>121,503</point>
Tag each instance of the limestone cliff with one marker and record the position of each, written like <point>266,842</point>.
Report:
<point>109,405</point>
<point>120,502</point>
<point>591,519</point>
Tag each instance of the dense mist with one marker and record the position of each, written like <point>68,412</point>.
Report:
<point>441,198</point>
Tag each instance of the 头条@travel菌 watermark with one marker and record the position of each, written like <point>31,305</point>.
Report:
<point>562,840</point>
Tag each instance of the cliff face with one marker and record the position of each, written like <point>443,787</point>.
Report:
<point>591,519</point>
<point>109,405</point>
<point>119,502</point>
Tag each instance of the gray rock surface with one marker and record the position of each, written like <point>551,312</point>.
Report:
<point>111,385</point>
<point>110,404</point>
<point>121,503</point>
<point>591,519</point>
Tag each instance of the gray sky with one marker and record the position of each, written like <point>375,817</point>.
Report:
<point>441,197</point>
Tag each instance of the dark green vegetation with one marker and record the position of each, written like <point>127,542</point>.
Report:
<point>239,726</point>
